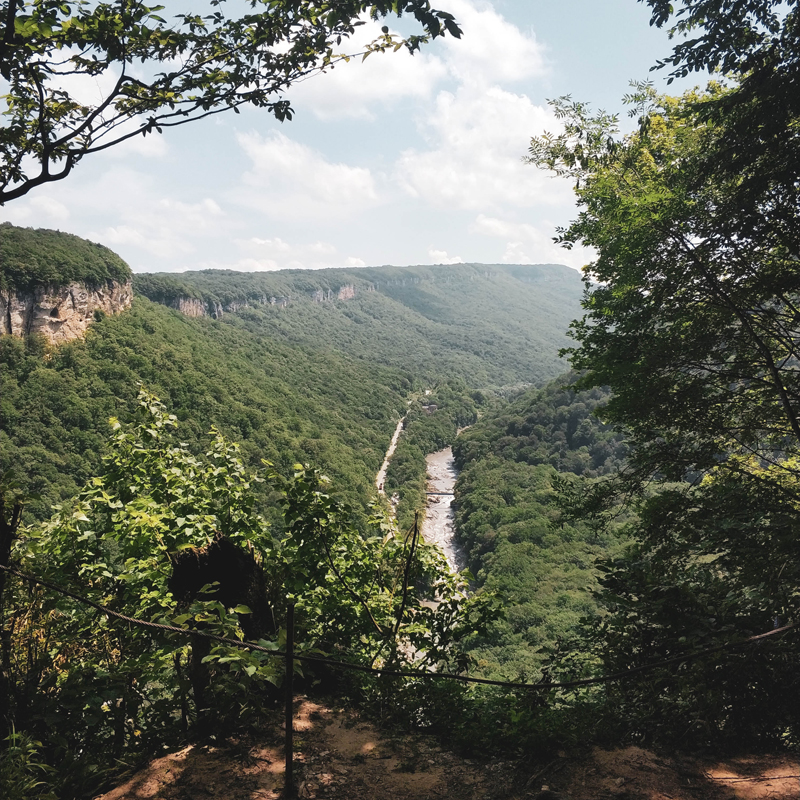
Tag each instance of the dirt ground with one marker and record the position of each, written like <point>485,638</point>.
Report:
<point>338,755</point>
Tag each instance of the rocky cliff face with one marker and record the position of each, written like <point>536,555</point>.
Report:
<point>61,313</point>
<point>347,292</point>
<point>192,307</point>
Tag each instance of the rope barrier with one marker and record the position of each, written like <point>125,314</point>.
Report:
<point>399,673</point>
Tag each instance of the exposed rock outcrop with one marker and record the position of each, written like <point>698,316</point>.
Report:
<point>190,307</point>
<point>346,292</point>
<point>61,313</point>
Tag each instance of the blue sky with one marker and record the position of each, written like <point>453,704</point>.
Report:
<point>399,160</point>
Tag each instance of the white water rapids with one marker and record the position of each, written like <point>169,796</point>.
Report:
<point>438,526</point>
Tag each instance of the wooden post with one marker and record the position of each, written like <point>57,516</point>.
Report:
<point>288,788</point>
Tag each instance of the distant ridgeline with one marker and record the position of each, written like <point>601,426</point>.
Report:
<point>213,292</point>
<point>56,284</point>
<point>490,324</point>
<point>298,380</point>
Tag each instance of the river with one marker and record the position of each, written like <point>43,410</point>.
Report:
<point>439,524</point>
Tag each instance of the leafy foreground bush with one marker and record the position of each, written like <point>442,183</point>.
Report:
<point>173,538</point>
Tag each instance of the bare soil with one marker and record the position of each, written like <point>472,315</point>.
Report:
<point>339,755</point>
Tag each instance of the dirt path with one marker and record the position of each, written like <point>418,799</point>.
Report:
<point>380,478</point>
<point>336,755</point>
<point>339,755</point>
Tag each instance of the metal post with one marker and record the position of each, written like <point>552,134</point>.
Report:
<point>288,788</point>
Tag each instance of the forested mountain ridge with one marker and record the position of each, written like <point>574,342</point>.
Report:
<point>226,290</point>
<point>35,258</point>
<point>491,324</point>
<point>322,383</point>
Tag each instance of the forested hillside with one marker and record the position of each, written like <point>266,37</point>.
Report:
<point>489,324</point>
<point>32,258</point>
<point>316,382</point>
<point>509,522</point>
<point>281,403</point>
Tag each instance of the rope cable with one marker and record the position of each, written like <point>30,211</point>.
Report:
<point>399,673</point>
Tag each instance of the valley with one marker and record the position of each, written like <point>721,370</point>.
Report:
<point>213,482</point>
<point>305,418</point>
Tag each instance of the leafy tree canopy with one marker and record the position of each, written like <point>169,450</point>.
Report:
<point>31,258</point>
<point>163,72</point>
<point>692,313</point>
<point>92,691</point>
<point>511,463</point>
<point>757,44</point>
<point>737,36</point>
<point>693,321</point>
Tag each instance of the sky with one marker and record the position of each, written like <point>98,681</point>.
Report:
<point>397,160</point>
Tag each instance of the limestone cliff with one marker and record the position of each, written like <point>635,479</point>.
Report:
<point>193,307</point>
<point>213,293</point>
<point>190,307</point>
<point>60,313</point>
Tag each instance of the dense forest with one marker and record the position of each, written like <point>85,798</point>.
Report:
<point>509,522</point>
<point>490,324</point>
<point>631,524</point>
<point>282,403</point>
<point>36,258</point>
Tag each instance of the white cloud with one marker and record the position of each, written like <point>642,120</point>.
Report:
<point>39,211</point>
<point>357,88</point>
<point>90,90</point>
<point>478,131</point>
<point>154,145</point>
<point>478,137</point>
<point>441,257</point>
<point>530,244</point>
<point>166,228</point>
<point>159,226</point>
<point>290,180</point>
<point>93,90</point>
<point>258,254</point>
<point>126,210</point>
<point>492,50</point>
<point>51,208</point>
<point>274,244</point>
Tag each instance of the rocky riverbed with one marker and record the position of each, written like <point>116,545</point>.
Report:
<point>439,524</point>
